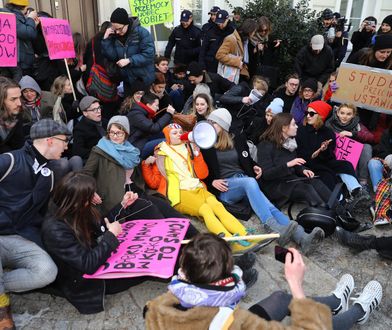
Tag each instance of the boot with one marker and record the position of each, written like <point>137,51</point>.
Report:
<point>246,261</point>
<point>250,277</point>
<point>6,321</point>
<point>308,242</point>
<point>353,240</point>
<point>285,231</point>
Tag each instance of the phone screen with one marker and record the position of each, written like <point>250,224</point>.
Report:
<point>280,253</point>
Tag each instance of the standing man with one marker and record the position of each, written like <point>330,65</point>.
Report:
<point>26,182</point>
<point>187,39</point>
<point>211,22</point>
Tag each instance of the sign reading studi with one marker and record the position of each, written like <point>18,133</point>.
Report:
<point>147,248</point>
<point>152,12</point>
<point>348,149</point>
<point>8,41</point>
<point>366,87</point>
<point>58,38</point>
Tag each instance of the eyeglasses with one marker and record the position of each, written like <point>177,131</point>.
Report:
<point>66,141</point>
<point>118,133</point>
<point>310,113</point>
<point>95,110</point>
<point>140,93</point>
<point>119,29</point>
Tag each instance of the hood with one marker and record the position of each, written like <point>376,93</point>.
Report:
<point>28,82</point>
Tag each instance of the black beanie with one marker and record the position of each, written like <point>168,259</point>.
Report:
<point>120,16</point>
<point>137,86</point>
<point>388,20</point>
<point>194,69</point>
<point>310,83</point>
<point>383,41</point>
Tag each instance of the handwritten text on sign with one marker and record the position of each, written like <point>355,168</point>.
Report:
<point>147,248</point>
<point>152,12</point>
<point>348,149</point>
<point>58,38</point>
<point>365,87</point>
<point>8,41</point>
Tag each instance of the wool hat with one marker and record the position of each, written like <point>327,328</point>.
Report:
<point>214,10</point>
<point>86,102</point>
<point>221,16</point>
<point>23,3</point>
<point>321,107</point>
<point>168,128</point>
<point>222,117</point>
<point>387,20</point>
<point>186,15</point>
<point>137,86</point>
<point>120,120</point>
<point>47,127</point>
<point>120,16</point>
<point>317,42</point>
<point>276,106</point>
<point>327,14</point>
<point>383,41</point>
<point>310,83</point>
<point>195,69</point>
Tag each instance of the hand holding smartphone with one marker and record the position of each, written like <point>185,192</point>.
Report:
<point>280,254</point>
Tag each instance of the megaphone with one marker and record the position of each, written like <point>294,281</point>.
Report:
<point>203,135</point>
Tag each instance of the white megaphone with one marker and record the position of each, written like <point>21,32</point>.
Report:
<point>203,135</point>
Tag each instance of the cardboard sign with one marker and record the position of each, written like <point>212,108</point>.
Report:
<point>152,12</point>
<point>348,149</point>
<point>366,87</point>
<point>58,38</point>
<point>8,40</point>
<point>147,248</point>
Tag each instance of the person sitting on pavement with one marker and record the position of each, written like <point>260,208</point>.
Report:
<point>307,94</point>
<point>26,183</point>
<point>288,92</point>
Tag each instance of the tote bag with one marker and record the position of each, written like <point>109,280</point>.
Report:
<point>230,72</point>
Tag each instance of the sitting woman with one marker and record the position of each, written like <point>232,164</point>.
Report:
<point>207,272</point>
<point>202,106</point>
<point>232,177</point>
<point>316,145</point>
<point>136,92</point>
<point>283,170</point>
<point>307,93</point>
<point>177,172</point>
<point>345,122</point>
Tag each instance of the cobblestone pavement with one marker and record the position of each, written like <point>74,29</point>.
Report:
<point>124,310</point>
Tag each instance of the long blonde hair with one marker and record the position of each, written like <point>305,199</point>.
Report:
<point>58,85</point>
<point>225,141</point>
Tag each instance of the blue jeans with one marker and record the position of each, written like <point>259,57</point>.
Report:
<point>350,181</point>
<point>375,170</point>
<point>241,186</point>
<point>31,267</point>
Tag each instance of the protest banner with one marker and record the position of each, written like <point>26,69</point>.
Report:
<point>348,149</point>
<point>58,38</point>
<point>8,41</point>
<point>152,12</point>
<point>366,87</point>
<point>147,248</point>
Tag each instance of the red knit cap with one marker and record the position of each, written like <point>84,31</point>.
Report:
<point>321,107</point>
<point>168,128</point>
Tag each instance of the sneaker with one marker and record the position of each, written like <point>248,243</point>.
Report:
<point>369,299</point>
<point>343,291</point>
<point>373,210</point>
<point>246,261</point>
<point>381,222</point>
<point>250,277</point>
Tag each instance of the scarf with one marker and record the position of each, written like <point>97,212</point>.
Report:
<point>336,125</point>
<point>257,39</point>
<point>6,126</point>
<point>34,108</point>
<point>290,144</point>
<point>125,154</point>
<point>150,113</point>
<point>224,293</point>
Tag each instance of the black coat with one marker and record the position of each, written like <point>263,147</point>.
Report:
<point>15,139</point>
<point>187,42</point>
<point>384,148</point>
<point>326,165</point>
<point>360,39</point>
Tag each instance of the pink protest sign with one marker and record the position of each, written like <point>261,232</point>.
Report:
<point>147,248</point>
<point>348,149</point>
<point>8,41</point>
<point>58,38</point>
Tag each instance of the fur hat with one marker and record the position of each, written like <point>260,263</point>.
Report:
<point>222,117</point>
<point>168,128</point>
<point>119,16</point>
<point>322,108</point>
<point>120,120</point>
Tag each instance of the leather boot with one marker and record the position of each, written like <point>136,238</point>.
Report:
<point>353,240</point>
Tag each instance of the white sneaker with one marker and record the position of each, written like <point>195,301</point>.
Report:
<point>369,299</point>
<point>343,292</point>
<point>381,222</point>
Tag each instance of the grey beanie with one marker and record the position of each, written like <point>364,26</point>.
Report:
<point>222,117</point>
<point>120,120</point>
<point>28,82</point>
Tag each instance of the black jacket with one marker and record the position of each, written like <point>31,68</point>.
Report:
<point>384,148</point>
<point>287,99</point>
<point>15,138</point>
<point>309,65</point>
<point>86,135</point>
<point>187,42</point>
<point>212,39</point>
<point>360,39</point>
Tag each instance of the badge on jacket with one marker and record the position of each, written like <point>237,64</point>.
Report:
<point>245,154</point>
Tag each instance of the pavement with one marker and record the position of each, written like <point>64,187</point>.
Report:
<point>325,265</point>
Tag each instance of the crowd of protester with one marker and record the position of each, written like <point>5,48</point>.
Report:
<point>75,149</point>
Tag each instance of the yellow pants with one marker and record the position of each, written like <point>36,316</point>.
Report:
<point>201,203</point>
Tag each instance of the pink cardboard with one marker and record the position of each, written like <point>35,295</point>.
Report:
<point>348,149</point>
<point>8,41</point>
<point>147,248</point>
<point>58,38</point>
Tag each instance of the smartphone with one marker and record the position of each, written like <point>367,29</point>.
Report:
<point>280,253</point>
